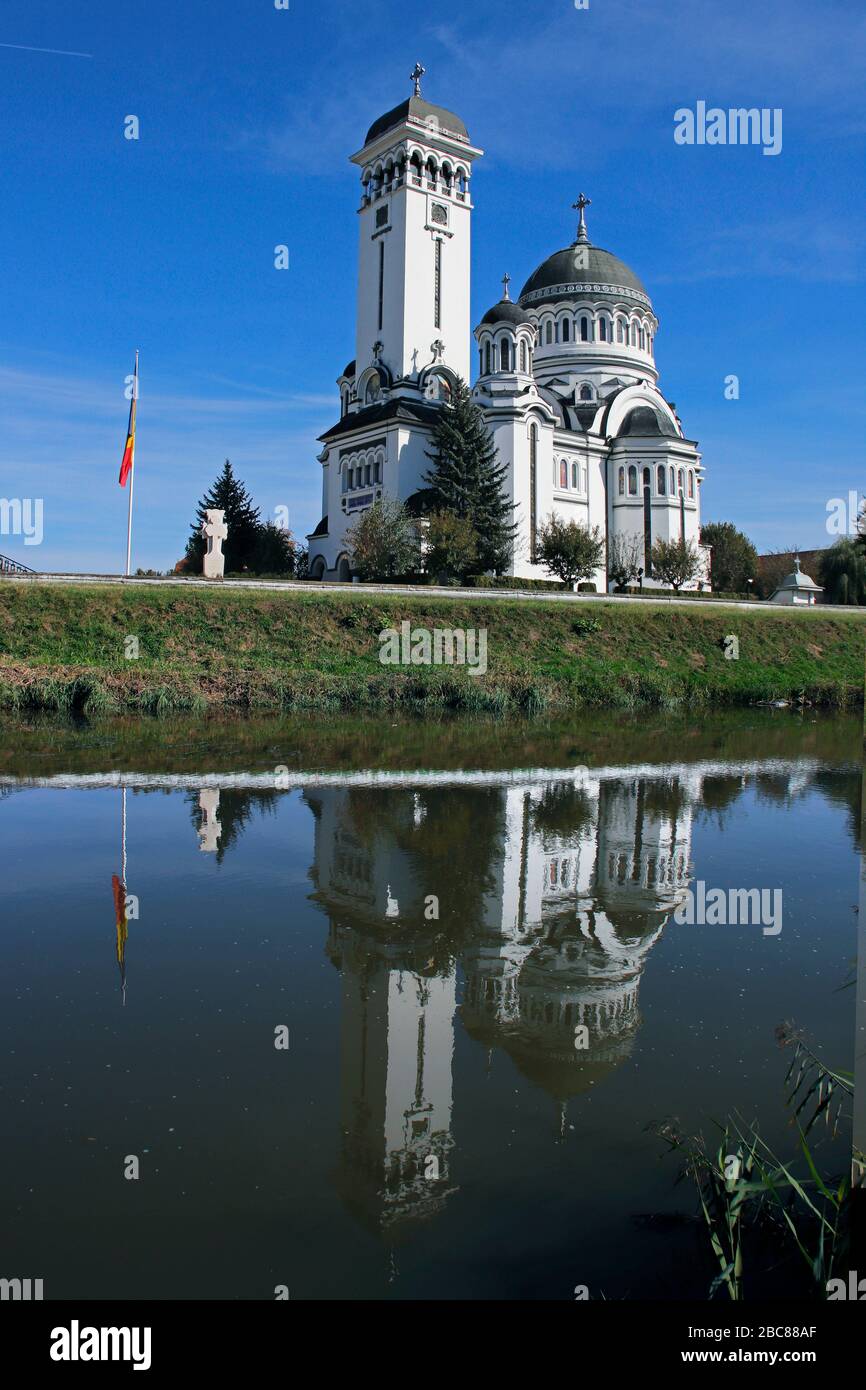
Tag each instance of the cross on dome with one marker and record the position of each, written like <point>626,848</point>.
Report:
<point>506,280</point>
<point>582,203</point>
<point>415,76</point>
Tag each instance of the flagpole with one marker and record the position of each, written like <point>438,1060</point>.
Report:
<point>132,475</point>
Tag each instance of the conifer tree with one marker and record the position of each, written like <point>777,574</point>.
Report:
<point>242,519</point>
<point>468,479</point>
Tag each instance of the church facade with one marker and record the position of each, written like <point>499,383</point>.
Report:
<point>565,374</point>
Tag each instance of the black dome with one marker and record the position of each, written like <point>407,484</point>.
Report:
<point>421,110</point>
<point>645,420</point>
<point>563,272</point>
<point>506,311</point>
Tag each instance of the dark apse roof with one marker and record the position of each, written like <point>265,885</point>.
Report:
<point>412,411</point>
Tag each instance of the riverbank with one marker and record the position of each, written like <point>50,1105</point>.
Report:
<point>168,647</point>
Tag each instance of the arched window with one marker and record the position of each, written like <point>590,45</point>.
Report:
<point>661,479</point>
<point>682,482</point>
<point>344,479</point>
<point>488,356</point>
<point>673,483</point>
<point>368,474</point>
<point>584,329</point>
<point>602,330</point>
<point>575,477</point>
<point>563,473</point>
<point>481,361</point>
<point>524,356</point>
<point>548,338</point>
<point>566,330</point>
<point>622,482</point>
<point>691,484</point>
<point>634,335</point>
<point>620,335</point>
<point>505,355</point>
<point>643,339</point>
<point>344,402</point>
<point>586,393</point>
<point>379,462</point>
<point>415,162</point>
<point>632,481</point>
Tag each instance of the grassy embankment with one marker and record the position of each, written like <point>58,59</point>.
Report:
<point>63,648</point>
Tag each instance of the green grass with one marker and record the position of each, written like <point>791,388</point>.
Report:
<point>62,648</point>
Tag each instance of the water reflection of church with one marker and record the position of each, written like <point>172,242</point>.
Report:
<point>543,900</point>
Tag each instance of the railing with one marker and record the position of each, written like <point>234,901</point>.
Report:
<point>8,566</point>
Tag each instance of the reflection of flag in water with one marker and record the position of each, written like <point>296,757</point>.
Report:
<point>119,890</point>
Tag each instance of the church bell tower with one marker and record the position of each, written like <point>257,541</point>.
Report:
<point>414,248</point>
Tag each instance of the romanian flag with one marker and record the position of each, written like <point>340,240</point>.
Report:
<point>129,451</point>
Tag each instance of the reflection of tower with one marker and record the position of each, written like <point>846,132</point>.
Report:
<point>210,828</point>
<point>397,1015</point>
<point>397,1045</point>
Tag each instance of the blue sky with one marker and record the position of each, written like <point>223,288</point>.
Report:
<point>248,115</point>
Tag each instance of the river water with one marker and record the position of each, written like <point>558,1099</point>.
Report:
<point>388,1009</point>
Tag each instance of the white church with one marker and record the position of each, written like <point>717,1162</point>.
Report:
<point>565,375</point>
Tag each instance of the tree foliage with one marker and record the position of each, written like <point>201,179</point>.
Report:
<point>735,559</point>
<point>570,551</point>
<point>468,480</point>
<point>842,572</point>
<point>242,519</point>
<point>676,563</point>
<point>274,551</point>
<point>383,543</point>
<point>452,545</point>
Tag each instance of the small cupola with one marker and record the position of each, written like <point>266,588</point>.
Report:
<point>506,338</point>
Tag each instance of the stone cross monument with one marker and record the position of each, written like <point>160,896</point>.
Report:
<point>214,530</point>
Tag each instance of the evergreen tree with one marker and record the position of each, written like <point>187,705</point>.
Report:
<point>468,480</point>
<point>242,519</point>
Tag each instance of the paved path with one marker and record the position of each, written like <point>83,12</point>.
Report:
<point>396,590</point>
